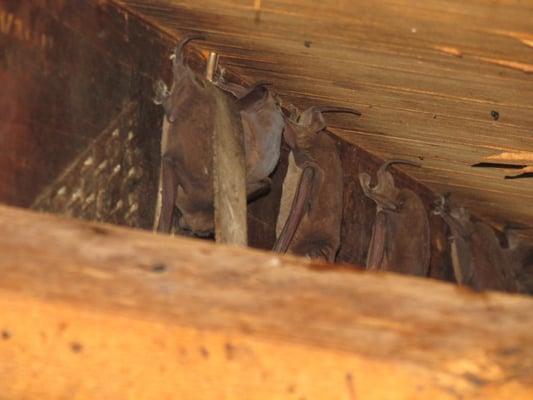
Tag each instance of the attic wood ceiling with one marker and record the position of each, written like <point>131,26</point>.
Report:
<point>425,74</point>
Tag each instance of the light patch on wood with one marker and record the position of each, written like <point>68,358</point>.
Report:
<point>96,273</point>
<point>520,66</point>
<point>525,170</point>
<point>524,38</point>
<point>257,10</point>
<point>453,51</point>
<point>515,156</point>
<point>527,42</point>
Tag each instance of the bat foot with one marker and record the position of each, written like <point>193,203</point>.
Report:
<point>321,253</point>
<point>258,189</point>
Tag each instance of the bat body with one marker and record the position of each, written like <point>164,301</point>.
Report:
<point>478,259</point>
<point>313,225</point>
<point>400,239</point>
<point>519,255</point>
<point>263,123</point>
<point>186,149</point>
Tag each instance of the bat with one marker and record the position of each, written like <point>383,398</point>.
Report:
<point>519,259</point>
<point>313,225</point>
<point>400,240</point>
<point>186,148</point>
<point>263,123</point>
<point>478,259</point>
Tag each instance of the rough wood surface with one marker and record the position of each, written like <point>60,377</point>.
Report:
<point>94,311</point>
<point>229,173</point>
<point>67,70</point>
<point>426,76</point>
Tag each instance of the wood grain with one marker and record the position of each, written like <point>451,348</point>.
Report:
<point>66,71</point>
<point>229,173</point>
<point>426,76</point>
<point>94,311</point>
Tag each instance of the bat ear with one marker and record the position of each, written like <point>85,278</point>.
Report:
<point>384,193</point>
<point>316,118</point>
<point>318,122</point>
<point>254,94</point>
<point>385,179</point>
<point>289,134</point>
<point>463,214</point>
<point>313,118</point>
<point>364,181</point>
<point>178,59</point>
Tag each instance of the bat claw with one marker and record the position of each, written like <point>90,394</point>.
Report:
<point>320,253</point>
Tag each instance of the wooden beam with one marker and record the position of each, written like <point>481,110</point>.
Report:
<point>94,311</point>
<point>69,74</point>
<point>229,167</point>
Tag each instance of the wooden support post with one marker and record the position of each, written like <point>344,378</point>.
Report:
<point>229,170</point>
<point>91,311</point>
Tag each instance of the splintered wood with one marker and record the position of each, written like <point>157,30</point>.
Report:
<point>93,311</point>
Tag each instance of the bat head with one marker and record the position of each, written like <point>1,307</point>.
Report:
<point>441,206</point>
<point>384,193</point>
<point>310,122</point>
<point>457,218</point>
<point>314,119</point>
<point>180,71</point>
<point>179,67</point>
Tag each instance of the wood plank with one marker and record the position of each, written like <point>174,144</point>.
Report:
<point>66,70</point>
<point>94,311</point>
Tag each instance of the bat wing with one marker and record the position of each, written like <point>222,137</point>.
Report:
<point>376,249</point>
<point>298,209</point>
<point>170,186</point>
<point>258,189</point>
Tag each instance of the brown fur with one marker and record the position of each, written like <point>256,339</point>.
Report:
<point>187,182</point>
<point>479,260</point>
<point>400,238</point>
<point>314,223</point>
<point>263,124</point>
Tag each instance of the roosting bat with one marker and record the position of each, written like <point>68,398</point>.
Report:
<point>478,259</point>
<point>313,224</point>
<point>263,123</point>
<point>186,147</point>
<point>519,260</point>
<point>400,239</point>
